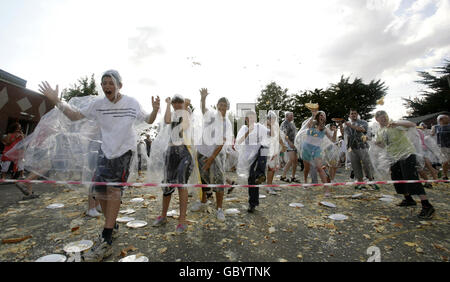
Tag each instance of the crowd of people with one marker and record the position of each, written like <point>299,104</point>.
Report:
<point>201,148</point>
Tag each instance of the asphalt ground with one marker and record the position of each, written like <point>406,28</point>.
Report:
<point>276,232</point>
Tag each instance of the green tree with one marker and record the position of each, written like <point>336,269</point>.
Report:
<point>436,98</point>
<point>84,87</point>
<point>273,97</point>
<point>336,101</point>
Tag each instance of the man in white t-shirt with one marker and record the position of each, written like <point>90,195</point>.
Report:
<point>217,132</point>
<point>115,115</point>
<point>252,138</point>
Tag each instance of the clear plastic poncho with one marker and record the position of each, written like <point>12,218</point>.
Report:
<point>249,148</point>
<point>329,151</point>
<point>61,149</point>
<point>391,145</point>
<point>160,145</point>
<point>431,149</point>
<point>208,135</point>
<point>273,140</point>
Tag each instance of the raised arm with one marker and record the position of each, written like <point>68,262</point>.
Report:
<point>403,123</point>
<point>341,128</point>
<point>204,93</point>
<point>52,95</point>
<point>167,116</point>
<point>156,105</point>
<point>311,121</point>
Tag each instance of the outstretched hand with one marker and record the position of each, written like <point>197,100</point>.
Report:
<point>49,92</point>
<point>204,93</point>
<point>155,103</point>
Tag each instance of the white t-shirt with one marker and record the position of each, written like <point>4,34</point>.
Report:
<point>257,138</point>
<point>215,128</point>
<point>116,122</point>
<point>248,149</point>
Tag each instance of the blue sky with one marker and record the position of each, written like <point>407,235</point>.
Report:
<point>232,47</point>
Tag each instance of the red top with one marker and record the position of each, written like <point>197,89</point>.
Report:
<point>12,139</point>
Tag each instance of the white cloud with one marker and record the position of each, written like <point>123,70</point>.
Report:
<point>241,45</point>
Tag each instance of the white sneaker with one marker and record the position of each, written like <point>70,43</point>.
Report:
<point>93,213</point>
<point>220,215</point>
<point>197,206</point>
<point>271,191</point>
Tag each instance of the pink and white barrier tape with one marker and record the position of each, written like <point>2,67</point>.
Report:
<point>217,185</point>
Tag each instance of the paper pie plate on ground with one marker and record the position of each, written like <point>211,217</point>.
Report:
<point>133,258</point>
<point>231,211</point>
<point>137,200</point>
<point>232,199</point>
<point>296,205</point>
<point>328,204</point>
<point>387,199</point>
<point>52,258</point>
<point>125,219</point>
<point>55,206</point>
<point>136,223</point>
<point>127,211</point>
<point>387,196</point>
<point>262,196</point>
<point>338,216</point>
<point>78,246</point>
<point>172,213</point>
<point>357,195</point>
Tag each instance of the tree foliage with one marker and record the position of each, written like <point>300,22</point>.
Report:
<point>273,97</point>
<point>84,87</point>
<point>336,101</point>
<point>436,97</point>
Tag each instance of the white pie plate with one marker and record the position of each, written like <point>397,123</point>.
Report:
<point>338,216</point>
<point>133,258</point>
<point>328,204</point>
<point>232,211</point>
<point>52,258</point>
<point>78,246</point>
<point>136,223</point>
<point>55,206</point>
<point>137,200</point>
<point>125,219</point>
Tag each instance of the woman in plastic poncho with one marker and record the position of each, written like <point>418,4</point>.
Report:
<point>312,148</point>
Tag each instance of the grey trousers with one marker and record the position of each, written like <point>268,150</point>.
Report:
<point>360,159</point>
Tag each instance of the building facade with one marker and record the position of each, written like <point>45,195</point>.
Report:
<point>19,104</point>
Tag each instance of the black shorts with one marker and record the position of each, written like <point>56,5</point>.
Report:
<point>111,170</point>
<point>178,167</point>
<point>406,170</point>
